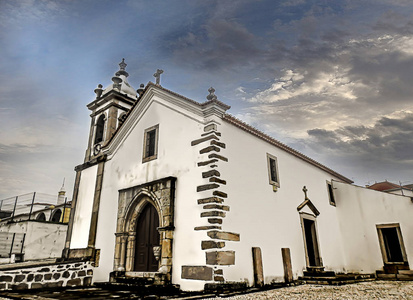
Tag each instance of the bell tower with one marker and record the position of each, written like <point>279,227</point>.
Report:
<point>109,110</point>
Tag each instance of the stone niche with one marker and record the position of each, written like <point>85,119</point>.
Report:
<point>160,194</point>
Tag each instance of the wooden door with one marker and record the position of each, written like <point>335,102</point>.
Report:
<point>311,241</point>
<point>147,237</point>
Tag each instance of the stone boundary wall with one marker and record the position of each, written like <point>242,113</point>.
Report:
<point>47,276</point>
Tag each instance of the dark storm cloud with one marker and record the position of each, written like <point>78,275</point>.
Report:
<point>219,44</point>
<point>388,140</point>
<point>389,72</point>
<point>287,67</point>
<point>394,22</point>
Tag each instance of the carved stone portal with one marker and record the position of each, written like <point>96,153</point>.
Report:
<point>131,202</point>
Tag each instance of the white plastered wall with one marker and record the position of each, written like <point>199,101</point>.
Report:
<point>175,158</point>
<point>269,219</point>
<point>359,211</point>
<point>262,217</point>
<point>84,203</point>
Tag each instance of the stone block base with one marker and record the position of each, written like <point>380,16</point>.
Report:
<point>47,276</point>
<point>197,273</point>
<point>220,258</point>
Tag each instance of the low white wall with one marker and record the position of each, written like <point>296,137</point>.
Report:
<point>43,240</point>
<point>359,211</point>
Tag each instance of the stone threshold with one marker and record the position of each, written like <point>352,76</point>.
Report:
<point>141,274</point>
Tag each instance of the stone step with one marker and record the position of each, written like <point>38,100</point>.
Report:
<point>320,274</point>
<point>133,281</point>
<point>394,268</point>
<point>404,277</point>
<point>338,279</point>
<point>406,272</point>
<point>355,276</point>
<point>332,280</point>
<point>386,276</point>
<point>139,289</point>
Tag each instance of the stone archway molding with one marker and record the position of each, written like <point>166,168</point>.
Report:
<point>160,194</point>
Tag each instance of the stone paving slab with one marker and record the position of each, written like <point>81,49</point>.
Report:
<point>360,291</point>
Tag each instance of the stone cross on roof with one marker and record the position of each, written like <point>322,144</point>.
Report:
<point>305,192</point>
<point>157,75</point>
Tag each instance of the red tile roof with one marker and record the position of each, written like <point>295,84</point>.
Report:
<point>384,186</point>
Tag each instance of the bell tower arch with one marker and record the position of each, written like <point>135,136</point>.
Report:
<point>108,110</point>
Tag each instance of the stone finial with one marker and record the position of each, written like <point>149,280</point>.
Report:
<point>211,95</point>
<point>305,192</point>
<point>141,89</point>
<point>98,91</point>
<point>157,75</point>
<point>117,82</point>
<point>122,66</point>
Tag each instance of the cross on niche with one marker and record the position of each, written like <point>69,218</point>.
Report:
<point>157,75</point>
<point>305,192</point>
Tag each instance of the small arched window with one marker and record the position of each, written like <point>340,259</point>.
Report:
<point>41,217</point>
<point>56,216</point>
<point>100,126</point>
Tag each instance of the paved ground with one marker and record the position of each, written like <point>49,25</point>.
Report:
<point>359,291</point>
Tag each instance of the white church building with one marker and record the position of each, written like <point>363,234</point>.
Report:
<point>176,191</point>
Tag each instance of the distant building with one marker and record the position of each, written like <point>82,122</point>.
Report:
<point>178,191</point>
<point>33,226</point>
<point>389,187</point>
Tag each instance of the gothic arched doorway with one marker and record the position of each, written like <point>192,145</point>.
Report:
<point>147,237</point>
<point>145,220</point>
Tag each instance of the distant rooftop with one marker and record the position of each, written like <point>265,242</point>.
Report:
<point>384,186</point>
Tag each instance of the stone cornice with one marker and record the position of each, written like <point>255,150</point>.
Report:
<point>108,97</point>
<point>91,163</point>
<point>110,104</point>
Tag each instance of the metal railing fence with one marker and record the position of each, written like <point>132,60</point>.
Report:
<point>27,205</point>
<point>11,243</point>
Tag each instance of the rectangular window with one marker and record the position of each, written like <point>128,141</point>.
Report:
<point>331,194</point>
<point>150,144</point>
<point>273,170</point>
<point>391,244</point>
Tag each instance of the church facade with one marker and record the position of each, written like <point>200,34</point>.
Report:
<point>181,192</point>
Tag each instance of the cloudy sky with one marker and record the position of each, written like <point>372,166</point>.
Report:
<point>331,78</point>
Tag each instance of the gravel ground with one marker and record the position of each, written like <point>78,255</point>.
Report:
<point>360,291</point>
<point>363,290</point>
